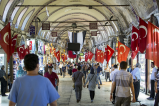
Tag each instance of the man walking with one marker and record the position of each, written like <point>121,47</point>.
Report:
<point>60,67</point>
<point>107,72</point>
<point>32,89</point>
<point>111,77</point>
<point>3,81</point>
<point>136,80</point>
<point>153,76</point>
<point>123,81</point>
<point>77,79</point>
<point>99,69</point>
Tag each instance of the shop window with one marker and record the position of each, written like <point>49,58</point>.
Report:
<point>15,11</point>
<point>20,17</point>
<point>6,10</point>
<point>26,20</point>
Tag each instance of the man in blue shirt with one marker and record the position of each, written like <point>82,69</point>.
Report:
<point>32,89</point>
<point>99,69</point>
<point>136,80</point>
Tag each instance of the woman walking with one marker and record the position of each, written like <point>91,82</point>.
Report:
<point>92,78</point>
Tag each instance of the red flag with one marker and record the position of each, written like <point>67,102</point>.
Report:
<point>54,52</point>
<point>152,44</point>
<point>63,57</point>
<point>21,52</point>
<point>102,57</point>
<point>123,52</point>
<point>142,35</point>
<point>98,55</point>
<point>90,54</point>
<point>70,54</point>
<point>14,39</point>
<point>109,53</point>
<point>5,40</point>
<point>27,50</point>
<point>58,55</point>
<point>86,57</point>
<point>134,41</point>
<point>30,45</point>
<point>80,58</point>
<point>134,53</point>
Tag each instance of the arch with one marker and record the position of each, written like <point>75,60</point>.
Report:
<point>6,10</point>
<point>26,19</point>
<point>20,17</point>
<point>15,11</point>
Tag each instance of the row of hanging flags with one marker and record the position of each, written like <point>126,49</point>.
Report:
<point>146,38</point>
<point>8,44</point>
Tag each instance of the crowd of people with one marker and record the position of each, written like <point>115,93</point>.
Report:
<point>27,89</point>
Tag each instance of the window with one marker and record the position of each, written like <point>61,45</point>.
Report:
<point>15,11</point>
<point>20,17</point>
<point>26,20</point>
<point>6,10</point>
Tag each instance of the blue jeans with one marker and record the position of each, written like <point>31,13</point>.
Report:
<point>98,75</point>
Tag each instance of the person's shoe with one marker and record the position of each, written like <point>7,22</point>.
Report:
<point>4,95</point>
<point>138,101</point>
<point>113,102</point>
<point>150,98</point>
<point>91,101</point>
<point>100,84</point>
<point>78,101</point>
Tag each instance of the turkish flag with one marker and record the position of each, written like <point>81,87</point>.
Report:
<point>123,52</point>
<point>86,57</point>
<point>134,53</point>
<point>27,50</point>
<point>80,58</point>
<point>5,40</point>
<point>21,52</point>
<point>98,55</point>
<point>105,54</point>
<point>58,55</point>
<point>63,57</point>
<point>152,44</point>
<point>30,45</point>
<point>14,39</point>
<point>109,53</point>
<point>134,40</point>
<point>90,55</point>
<point>142,35</point>
<point>102,57</point>
<point>70,54</point>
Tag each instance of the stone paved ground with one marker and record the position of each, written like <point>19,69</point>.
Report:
<point>68,95</point>
<point>101,95</point>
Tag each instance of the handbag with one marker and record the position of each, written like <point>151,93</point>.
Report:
<point>90,80</point>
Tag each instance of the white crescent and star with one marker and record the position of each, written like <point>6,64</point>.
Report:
<point>123,47</point>
<point>4,37</point>
<point>109,52</point>
<point>136,35</point>
<point>13,40</point>
<point>20,49</point>
<point>155,30</point>
<point>143,27</point>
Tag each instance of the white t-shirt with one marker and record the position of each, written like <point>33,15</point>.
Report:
<point>60,66</point>
<point>112,73</point>
<point>106,70</point>
<point>152,75</point>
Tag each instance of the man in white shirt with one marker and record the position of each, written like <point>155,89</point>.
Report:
<point>107,72</point>
<point>136,80</point>
<point>111,77</point>
<point>153,76</point>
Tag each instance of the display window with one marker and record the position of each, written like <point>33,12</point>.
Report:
<point>2,59</point>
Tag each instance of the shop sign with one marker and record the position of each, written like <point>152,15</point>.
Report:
<point>93,33</point>
<point>45,26</point>
<point>32,30</point>
<point>93,26</point>
<point>54,34</point>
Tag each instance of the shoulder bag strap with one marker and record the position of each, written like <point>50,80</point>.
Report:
<point>91,79</point>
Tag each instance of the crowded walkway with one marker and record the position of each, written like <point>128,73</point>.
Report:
<point>67,95</point>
